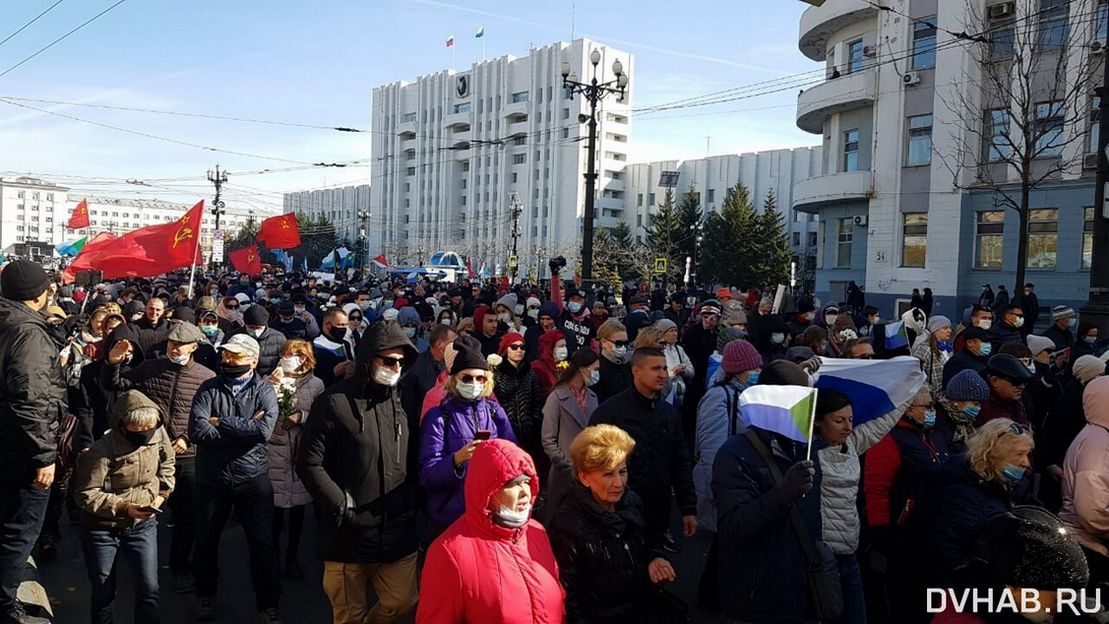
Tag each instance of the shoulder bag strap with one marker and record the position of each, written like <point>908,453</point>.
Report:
<point>732,400</point>
<point>807,547</point>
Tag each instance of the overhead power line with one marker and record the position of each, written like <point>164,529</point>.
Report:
<point>33,20</point>
<point>59,39</point>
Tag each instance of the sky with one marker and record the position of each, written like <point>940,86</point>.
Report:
<point>316,62</point>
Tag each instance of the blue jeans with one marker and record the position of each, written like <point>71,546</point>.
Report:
<point>22,509</point>
<point>851,580</point>
<point>139,547</point>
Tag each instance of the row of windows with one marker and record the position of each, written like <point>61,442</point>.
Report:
<point>34,195</point>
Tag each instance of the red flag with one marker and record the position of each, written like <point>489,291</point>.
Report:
<point>245,260</point>
<point>80,217</point>
<point>280,232</point>
<point>381,261</point>
<point>144,252</point>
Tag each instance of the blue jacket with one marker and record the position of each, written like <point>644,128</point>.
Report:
<point>718,418</point>
<point>758,548</point>
<point>234,451</point>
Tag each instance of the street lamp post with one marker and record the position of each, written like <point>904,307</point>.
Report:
<point>594,91</point>
<point>363,244</point>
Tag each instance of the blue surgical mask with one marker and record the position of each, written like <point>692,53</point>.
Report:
<point>972,411</point>
<point>1089,339</point>
<point>1071,324</point>
<point>752,378</point>
<point>986,349</point>
<point>777,338</point>
<point>1012,473</point>
<point>929,419</point>
<point>574,307</point>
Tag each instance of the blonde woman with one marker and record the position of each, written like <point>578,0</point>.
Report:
<point>451,431</point>
<point>990,479</point>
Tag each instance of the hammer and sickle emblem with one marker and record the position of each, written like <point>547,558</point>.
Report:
<point>284,224</point>
<point>250,257</point>
<point>182,234</point>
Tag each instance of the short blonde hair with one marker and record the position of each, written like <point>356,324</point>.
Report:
<point>649,337</point>
<point>610,328</point>
<point>303,348</point>
<point>992,442</point>
<point>600,447</point>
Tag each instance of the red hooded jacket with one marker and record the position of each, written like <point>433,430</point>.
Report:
<point>479,571</point>
<point>546,369</point>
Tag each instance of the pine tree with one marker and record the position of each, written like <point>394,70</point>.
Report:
<point>663,235</point>
<point>772,262</point>
<point>621,238</point>
<point>726,254</point>
<point>317,239</point>
<point>689,218</point>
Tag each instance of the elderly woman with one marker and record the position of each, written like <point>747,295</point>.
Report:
<point>599,535</point>
<point>988,480</point>
<point>678,366</point>
<point>452,431</point>
<point>494,563</point>
<point>933,349</point>
<point>565,414</point>
<point>296,389</point>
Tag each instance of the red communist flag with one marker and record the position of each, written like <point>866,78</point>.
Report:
<point>144,252</point>
<point>280,232</point>
<point>80,217</point>
<point>246,261</point>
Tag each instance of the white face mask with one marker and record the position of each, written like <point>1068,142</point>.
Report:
<point>386,376</point>
<point>410,332</point>
<point>594,377</point>
<point>445,321</point>
<point>504,317</point>
<point>257,333</point>
<point>985,324</point>
<point>298,309</point>
<point>560,354</point>
<point>533,313</point>
<point>291,363</point>
<point>1019,322</point>
<point>830,319</point>
<point>513,518</point>
<point>777,337</point>
<point>471,391</point>
<point>519,309</point>
<point>180,360</point>
<point>620,352</point>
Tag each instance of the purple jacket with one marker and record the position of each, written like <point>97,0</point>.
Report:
<point>444,430</point>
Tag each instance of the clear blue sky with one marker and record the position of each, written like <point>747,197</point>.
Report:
<point>316,62</point>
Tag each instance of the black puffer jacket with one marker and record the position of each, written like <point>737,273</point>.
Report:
<point>32,393</point>
<point>517,390</point>
<point>354,459</point>
<point>270,344</point>
<point>171,387</point>
<point>602,558</point>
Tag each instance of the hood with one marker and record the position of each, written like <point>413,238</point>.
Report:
<point>546,346</point>
<point>549,308</point>
<point>408,314</point>
<point>350,307</point>
<point>495,463</point>
<point>385,335</point>
<point>14,313</point>
<point>1095,401</point>
<point>128,401</point>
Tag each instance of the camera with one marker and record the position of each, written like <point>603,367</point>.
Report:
<point>557,263</point>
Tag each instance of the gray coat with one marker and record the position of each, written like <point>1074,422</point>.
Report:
<point>288,489</point>
<point>563,420</point>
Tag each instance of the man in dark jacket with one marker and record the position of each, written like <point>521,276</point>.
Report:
<point>1030,303</point>
<point>1009,330</point>
<point>331,349</point>
<point>548,312</point>
<point>354,460</point>
<point>973,356</point>
<point>232,418</point>
<point>662,459</point>
<point>32,399</point>
<point>287,323</point>
<point>149,333</point>
<point>171,383</point>
<point>270,341</point>
<point>699,343</point>
<point>422,375</point>
<point>638,316</point>
<point>1064,322</point>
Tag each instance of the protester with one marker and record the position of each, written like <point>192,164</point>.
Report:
<point>1010,329</point>
<point>270,341</point>
<point>32,400</point>
<point>232,418</point>
<point>615,369</point>
<point>700,341</point>
<point>423,374</point>
<point>354,459</point>
<point>934,349</point>
<point>1086,483</point>
<point>678,364</point>
<point>545,322</point>
<point>516,388</point>
<point>552,356</point>
<point>599,535</point>
<point>496,533</point>
<point>1064,322</point>
<point>148,334</point>
<point>1007,377</point>
<point>973,357</point>
<point>566,412</point>
<point>332,351</point>
<point>121,483</point>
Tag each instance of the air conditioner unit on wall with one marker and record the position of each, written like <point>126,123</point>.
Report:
<point>911,79</point>
<point>1097,47</point>
<point>1089,161</point>
<point>1004,9</point>
<point>860,220</point>
<point>870,50</point>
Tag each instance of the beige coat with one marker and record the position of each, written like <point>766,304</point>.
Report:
<point>1086,473</point>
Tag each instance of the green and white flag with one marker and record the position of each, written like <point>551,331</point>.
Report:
<point>480,32</point>
<point>788,410</point>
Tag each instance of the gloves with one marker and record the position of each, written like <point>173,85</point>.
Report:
<point>811,365</point>
<point>798,480</point>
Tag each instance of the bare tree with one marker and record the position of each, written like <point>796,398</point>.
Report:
<point>1021,105</point>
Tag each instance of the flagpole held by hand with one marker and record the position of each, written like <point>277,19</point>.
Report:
<point>812,420</point>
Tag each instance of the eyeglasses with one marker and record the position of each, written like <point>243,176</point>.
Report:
<point>391,361</point>
<point>473,379</point>
<point>517,347</point>
<point>620,343</point>
<point>233,307</point>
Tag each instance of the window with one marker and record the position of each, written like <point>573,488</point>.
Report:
<point>796,239</point>
<point>710,196</point>
<point>1053,23</point>
<point>1002,36</point>
<point>854,56</point>
<point>1095,124</point>
<point>519,159</point>
<point>464,182</point>
<point>565,113</point>
<point>638,220</point>
<point>520,96</point>
<point>408,117</point>
<point>1043,238</point>
<point>565,133</point>
<point>514,178</point>
<point>1102,10</point>
<point>462,200</point>
<point>924,43</point>
<point>1088,235</point>
<point>920,141</point>
<point>462,107</point>
<point>639,200</point>
<point>914,240</point>
<point>520,140</point>
<point>408,186</point>
<point>650,199</point>
<point>812,239</point>
<point>50,197</point>
<point>996,135</point>
<point>844,236</point>
<point>35,195</point>
<point>851,150</point>
<point>1049,129</point>
<point>19,194</point>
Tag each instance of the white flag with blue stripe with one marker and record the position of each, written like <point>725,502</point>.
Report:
<point>875,387</point>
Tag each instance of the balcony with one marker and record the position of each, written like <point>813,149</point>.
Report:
<point>818,24</point>
<point>836,95</point>
<point>815,193</point>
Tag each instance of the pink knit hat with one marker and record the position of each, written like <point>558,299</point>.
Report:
<point>740,356</point>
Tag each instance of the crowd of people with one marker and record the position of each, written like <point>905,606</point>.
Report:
<point>497,452</point>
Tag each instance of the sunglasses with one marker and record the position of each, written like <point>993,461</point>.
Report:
<point>391,361</point>
<point>234,307</point>
<point>620,343</point>
<point>473,379</point>
<point>517,347</point>
<point>1018,429</point>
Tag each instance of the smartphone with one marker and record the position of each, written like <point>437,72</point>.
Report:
<point>153,510</point>
<point>482,434</point>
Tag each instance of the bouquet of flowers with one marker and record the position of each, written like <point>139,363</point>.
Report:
<point>286,399</point>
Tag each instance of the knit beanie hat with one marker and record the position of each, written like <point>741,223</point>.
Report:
<point>1029,547</point>
<point>256,315</point>
<point>665,325</point>
<point>1062,312</point>
<point>740,356</point>
<point>184,313</point>
<point>724,335</point>
<point>509,339</point>
<point>1088,367</point>
<point>968,385</point>
<point>23,281</point>
<point>937,323</point>
<point>1039,344</point>
<point>468,357</point>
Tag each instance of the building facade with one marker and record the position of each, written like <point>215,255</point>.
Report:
<point>919,126</point>
<point>454,151</point>
<point>775,171</point>
<point>340,206</point>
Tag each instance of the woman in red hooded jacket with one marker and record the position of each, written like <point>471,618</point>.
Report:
<point>494,564</point>
<point>552,351</point>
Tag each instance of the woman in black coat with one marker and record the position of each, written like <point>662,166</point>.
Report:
<point>517,389</point>
<point>599,535</point>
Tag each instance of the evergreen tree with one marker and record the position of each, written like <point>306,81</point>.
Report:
<point>727,253</point>
<point>689,218</point>
<point>663,229</point>
<point>317,239</point>
<point>772,262</point>
<point>621,238</point>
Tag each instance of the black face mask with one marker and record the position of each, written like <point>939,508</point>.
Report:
<point>139,438</point>
<point>337,334</point>
<point>234,371</point>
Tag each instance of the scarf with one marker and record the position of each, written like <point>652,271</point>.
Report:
<point>581,397</point>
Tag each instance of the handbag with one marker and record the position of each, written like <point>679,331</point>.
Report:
<point>825,589</point>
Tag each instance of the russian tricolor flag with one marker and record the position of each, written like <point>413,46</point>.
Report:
<point>875,387</point>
